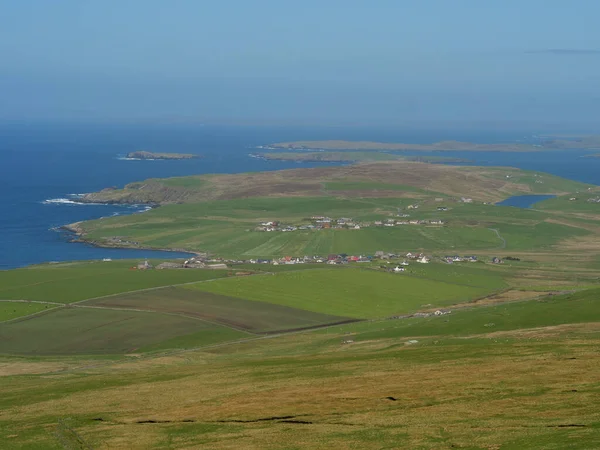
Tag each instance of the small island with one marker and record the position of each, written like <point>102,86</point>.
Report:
<point>140,154</point>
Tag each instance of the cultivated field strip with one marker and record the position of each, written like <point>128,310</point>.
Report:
<point>240,314</point>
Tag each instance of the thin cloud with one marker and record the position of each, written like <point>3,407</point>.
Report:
<point>566,51</point>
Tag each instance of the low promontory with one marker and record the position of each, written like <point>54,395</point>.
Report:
<point>581,143</point>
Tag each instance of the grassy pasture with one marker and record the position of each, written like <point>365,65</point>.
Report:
<point>564,204</point>
<point>237,240</point>
<point>374,186</point>
<point>248,315</point>
<point>547,311</point>
<point>12,310</point>
<point>71,283</point>
<point>541,236</point>
<point>100,331</point>
<point>533,389</point>
<point>351,293</point>
<point>226,227</point>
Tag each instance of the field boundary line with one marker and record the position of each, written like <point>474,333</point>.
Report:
<point>32,301</point>
<point>499,237</point>
<point>174,352</point>
<point>159,312</point>
<point>35,314</point>
<point>54,281</point>
<point>158,287</point>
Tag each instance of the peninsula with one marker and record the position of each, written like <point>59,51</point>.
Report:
<point>342,157</point>
<point>583,143</point>
<point>140,154</point>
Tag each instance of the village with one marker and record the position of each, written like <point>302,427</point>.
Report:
<point>390,262</point>
<point>347,223</point>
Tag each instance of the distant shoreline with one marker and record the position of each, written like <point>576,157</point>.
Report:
<point>353,157</point>
<point>584,143</point>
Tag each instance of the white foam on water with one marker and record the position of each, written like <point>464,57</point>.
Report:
<point>67,201</point>
<point>144,208</point>
<point>59,201</point>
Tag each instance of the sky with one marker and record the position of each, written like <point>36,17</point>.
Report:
<point>321,62</point>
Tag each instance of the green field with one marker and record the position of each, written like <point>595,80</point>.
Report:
<point>227,228</point>
<point>312,355</point>
<point>374,186</point>
<point>73,282</point>
<point>253,316</point>
<point>546,311</point>
<point>12,310</point>
<point>102,331</point>
<point>520,374</point>
<point>512,385</point>
<point>351,293</point>
<point>564,204</point>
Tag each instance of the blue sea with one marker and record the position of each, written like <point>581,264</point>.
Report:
<point>44,167</point>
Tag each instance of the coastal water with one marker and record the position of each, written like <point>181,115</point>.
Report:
<point>42,167</point>
<point>524,201</point>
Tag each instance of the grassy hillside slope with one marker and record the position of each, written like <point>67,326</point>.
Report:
<point>481,183</point>
<point>528,381</point>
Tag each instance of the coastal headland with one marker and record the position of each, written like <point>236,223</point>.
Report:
<point>352,156</point>
<point>392,204</point>
<point>582,143</point>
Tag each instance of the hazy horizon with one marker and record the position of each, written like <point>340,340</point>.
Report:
<point>333,63</point>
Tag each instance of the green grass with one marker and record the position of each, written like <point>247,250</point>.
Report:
<point>12,310</point>
<point>548,310</point>
<point>542,236</point>
<point>564,204</point>
<point>71,283</point>
<point>226,228</point>
<point>550,184</point>
<point>332,156</point>
<point>241,241</point>
<point>185,182</point>
<point>99,331</point>
<point>234,312</point>
<point>351,293</point>
<point>476,393</point>
<point>373,186</point>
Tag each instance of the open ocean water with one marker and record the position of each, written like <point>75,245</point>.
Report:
<point>43,167</point>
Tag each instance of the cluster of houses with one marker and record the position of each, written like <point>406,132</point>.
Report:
<point>394,262</point>
<point>437,312</point>
<point>393,223</point>
<point>317,223</point>
<point>594,200</point>
<point>456,258</point>
<point>323,223</point>
<point>471,258</point>
<point>192,263</point>
<point>343,258</point>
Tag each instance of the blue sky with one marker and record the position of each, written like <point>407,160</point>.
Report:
<point>324,61</point>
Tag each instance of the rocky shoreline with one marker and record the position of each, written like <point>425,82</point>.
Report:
<point>116,242</point>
